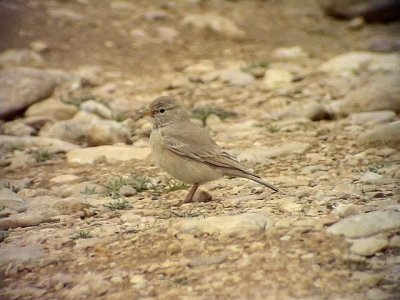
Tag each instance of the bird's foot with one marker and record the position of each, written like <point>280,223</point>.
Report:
<point>198,196</point>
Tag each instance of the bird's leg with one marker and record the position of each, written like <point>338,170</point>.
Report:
<point>189,197</point>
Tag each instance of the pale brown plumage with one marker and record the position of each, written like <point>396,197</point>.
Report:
<point>187,152</point>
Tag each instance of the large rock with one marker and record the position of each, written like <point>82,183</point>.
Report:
<point>107,132</point>
<point>388,134</point>
<point>276,78</point>
<point>236,77</point>
<point>362,61</point>
<point>20,57</point>
<point>72,131</point>
<point>48,207</point>
<point>17,128</point>
<point>10,200</point>
<point>290,53</point>
<point>261,154</point>
<point>380,93</point>
<point>215,23</point>
<point>107,153</point>
<point>373,117</point>
<point>313,111</point>
<point>21,87</point>
<point>226,225</point>
<point>49,144</point>
<point>368,224</point>
<point>20,160</point>
<point>53,109</point>
<point>20,220</point>
<point>372,178</point>
<point>11,253</point>
<point>369,246</point>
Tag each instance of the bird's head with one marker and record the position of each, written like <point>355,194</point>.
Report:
<point>166,110</point>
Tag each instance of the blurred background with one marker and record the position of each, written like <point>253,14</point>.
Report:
<point>137,36</point>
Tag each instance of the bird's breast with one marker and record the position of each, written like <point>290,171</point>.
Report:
<point>182,168</point>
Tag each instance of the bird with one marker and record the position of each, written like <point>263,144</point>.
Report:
<point>186,151</point>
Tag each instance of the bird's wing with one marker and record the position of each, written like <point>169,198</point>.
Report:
<point>195,143</point>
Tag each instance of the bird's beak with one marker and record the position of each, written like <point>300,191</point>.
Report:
<point>147,113</point>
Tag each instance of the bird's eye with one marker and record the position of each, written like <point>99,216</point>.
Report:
<point>162,110</point>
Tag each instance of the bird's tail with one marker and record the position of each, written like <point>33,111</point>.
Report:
<point>239,173</point>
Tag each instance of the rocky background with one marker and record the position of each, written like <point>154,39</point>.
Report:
<point>306,101</point>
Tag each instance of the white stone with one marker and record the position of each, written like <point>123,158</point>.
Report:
<point>290,53</point>
<point>371,178</point>
<point>138,281</point>
<point>39,46</point>
<point>368,246</point>
<point>106,132</point>
<point>20,220</point>
<point>9,199</point>
<point>167,34</point>
<point>378,294</point>
<point>51,145</point>
<point>343,189</point>
<point>236,77</point>
<point>373,117</point>
<point>291,207</point>
<point>20,57</point>
<point>277,78</point>
<point>379,93</point>
<point>345,210</point>
<point>64,178</point>
<point>52,109</point>
<point>367,279</point>
<point>17,128</point>
<point>364,225</point>
<point>122,5</point>
<point>96,108</point>
<point>214,22</point>
<point>226,224</point>
<point>109,153</point>
<point>356,61</point>
<point>260,154</point>
<point>395,241</point>
<point>382,135</point>
<point>11,253</point>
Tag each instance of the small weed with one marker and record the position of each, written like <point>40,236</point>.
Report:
<point>82,235</point>
<point>8,185</point>
<point>173,185</point>
<point>42,155</point>
<point>139,183</point>
<point>119,204</point>
<point>261,64</point>
<point>89,191</point>
<point>192,213</point>
<point>15,146</point>
<point>272,128</point>
<point>257,69</point>
<point>204,112</point>
<point>375,168</point>
<point>181,280</point>
<point>111,189</point>
<point>2,207</point>
<point>77,101</point>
